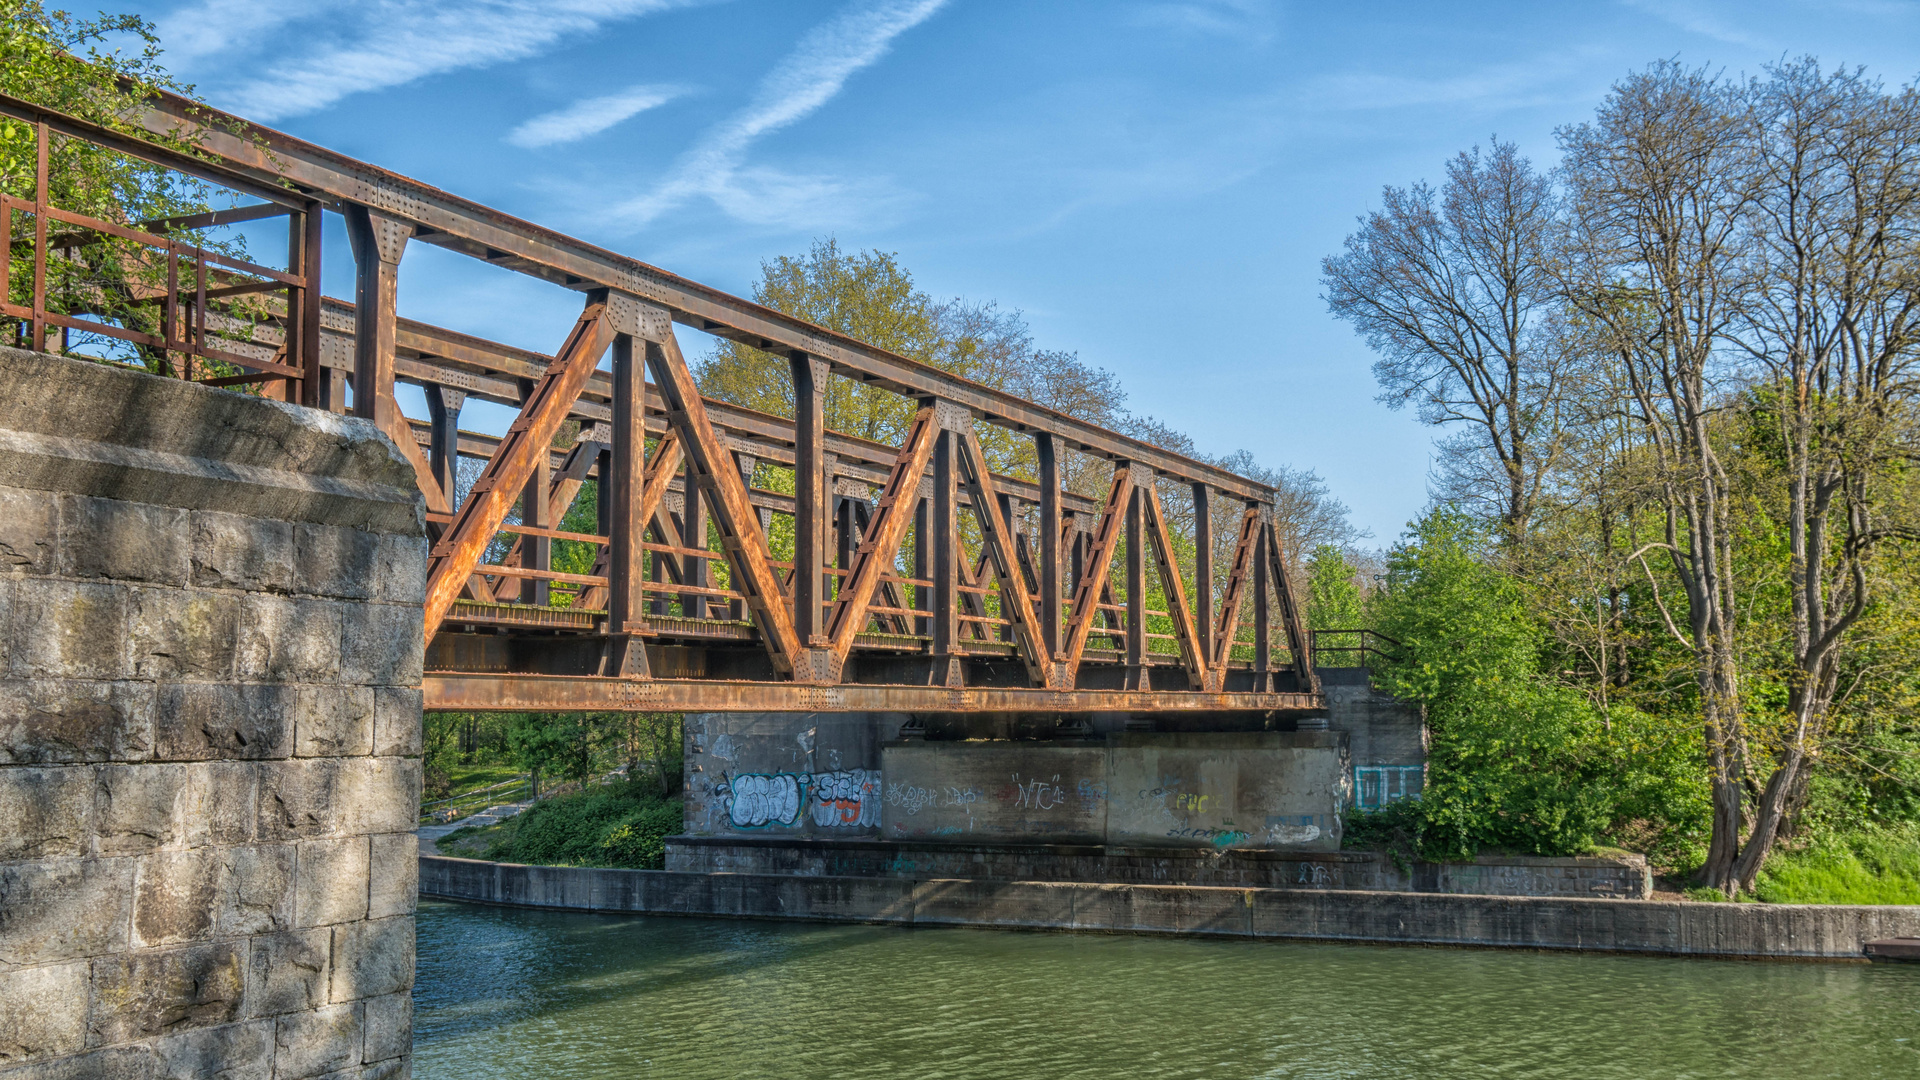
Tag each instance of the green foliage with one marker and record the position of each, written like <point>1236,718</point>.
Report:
<point>623,824</point>
<point>1334,598</point>
<point>1518,762</point>
<point>1867,866</point>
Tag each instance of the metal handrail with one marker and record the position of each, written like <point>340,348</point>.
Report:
<point>1369,646</point>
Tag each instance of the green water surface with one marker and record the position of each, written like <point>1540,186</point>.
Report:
<point>512,993</point>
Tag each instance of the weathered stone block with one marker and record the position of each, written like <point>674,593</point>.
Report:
<point>222,802</point>
<point>286,640</point>
<point>288,972</point>
<point>389,1027</point>
<point>318,1042</point>
<point>256,892</point>
<point>330,881</point>
<point>114,1063</point>
<point>234,552</point>
<point>141,995</point>
<point>62,909</point>
<point>371,959</point>
<point>29,531</point>
<point>396,721</point>
<point>181,633</point>
<point>382,645</point>
<point>138,808</point>
<point>175,896</point>
<point>69,629</point>
<point>335,561</point>
<point>43,1012</point>
<point>333,721</point>
<point>395,875</point>
<point>383,795</point>
<point>60,720</point>
<point>233,1052</point>
<point>300,799</point>
<point>400,569</point>
<point>127,541</point>
<point>45,813</point>
<point>199,721</point>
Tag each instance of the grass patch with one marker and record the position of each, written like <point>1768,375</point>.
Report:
<point>620,825</point>
<point>1877,866</point>
<point>464,778</point>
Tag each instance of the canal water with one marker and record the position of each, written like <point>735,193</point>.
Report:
<point>512,993</point>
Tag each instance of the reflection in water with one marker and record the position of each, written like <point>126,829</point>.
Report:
<point>511,993</point>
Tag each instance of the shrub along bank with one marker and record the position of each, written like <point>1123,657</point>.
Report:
<point>623,824</point>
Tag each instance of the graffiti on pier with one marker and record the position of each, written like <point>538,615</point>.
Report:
<point>756,800</point>
<point>848,798</point>
<point>1038,794</point>
<point>913,799</point>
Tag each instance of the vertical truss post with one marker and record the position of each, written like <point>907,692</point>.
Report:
<point>623,514</point>
<point>846,537</point>
<point>1005,504</point>
<point>1137,678</point>
<point>303,303</point>
<point>946,555</point>
<point>736,610</point>
<point>693,536</point>
<point>809,500</point>
<point>537,551</point>
<point>443,413</point>
<point>1049,544</point>
<point>1262,618</point>
<point>1203,570</point>
<point>922,562</point>
<point>378,243</point>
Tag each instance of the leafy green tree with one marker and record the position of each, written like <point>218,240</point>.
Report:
<point>1334,598</point>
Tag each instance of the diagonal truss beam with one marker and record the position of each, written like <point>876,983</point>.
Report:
<point>711,463</point>
<point>1191,656</point>
<point>1291,613</point>
<point>1237,578</point>
<point>1094,577</point>
<point>453,558</point>
<point>997,541</point>
<point>880,544</point>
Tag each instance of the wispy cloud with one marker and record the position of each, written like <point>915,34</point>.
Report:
<point>376,44</point>
<point>592,116</point>
<point>807,78</point>
<point>1699,19</point>
<point>1537,80</point>
<point>1246,20</point>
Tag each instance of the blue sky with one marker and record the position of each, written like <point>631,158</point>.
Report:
<point>1152,183</point>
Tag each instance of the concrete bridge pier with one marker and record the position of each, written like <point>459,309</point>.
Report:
<point>210,654</point>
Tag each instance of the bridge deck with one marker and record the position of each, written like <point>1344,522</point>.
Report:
<point>739,560</point>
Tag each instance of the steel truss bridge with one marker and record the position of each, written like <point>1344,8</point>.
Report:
<point>686,606</point>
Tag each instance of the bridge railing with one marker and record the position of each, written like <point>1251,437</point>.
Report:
<point>729,545</point>
<point>1360,647</point>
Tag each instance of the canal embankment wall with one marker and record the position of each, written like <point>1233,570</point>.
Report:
<point>210,655</point>
<point>1800,932</point>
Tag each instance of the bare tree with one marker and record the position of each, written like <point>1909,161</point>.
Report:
<point>1453,289</point>
<point>1834,218</point>
<point>1658,188</point>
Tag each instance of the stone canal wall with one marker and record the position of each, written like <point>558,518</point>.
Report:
<point>1625,876</point>
<point>210,657</point>
<point>1633,926</point>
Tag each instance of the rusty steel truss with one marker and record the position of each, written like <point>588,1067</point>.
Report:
<point>919,580</point>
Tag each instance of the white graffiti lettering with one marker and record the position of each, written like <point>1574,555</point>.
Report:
<point>846,799</point>
<point>758,800</point>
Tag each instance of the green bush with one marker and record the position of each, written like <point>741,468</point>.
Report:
<point>623,825</point>
<point>1871,866</point>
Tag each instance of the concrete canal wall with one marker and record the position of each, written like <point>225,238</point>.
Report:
<point>1620,877</point>
<point>1633,926</point>
<point>210,657</point>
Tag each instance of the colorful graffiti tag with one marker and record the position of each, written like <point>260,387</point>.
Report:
<point>849,798</point>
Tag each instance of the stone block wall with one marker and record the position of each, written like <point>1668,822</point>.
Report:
<point>210,653</point>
